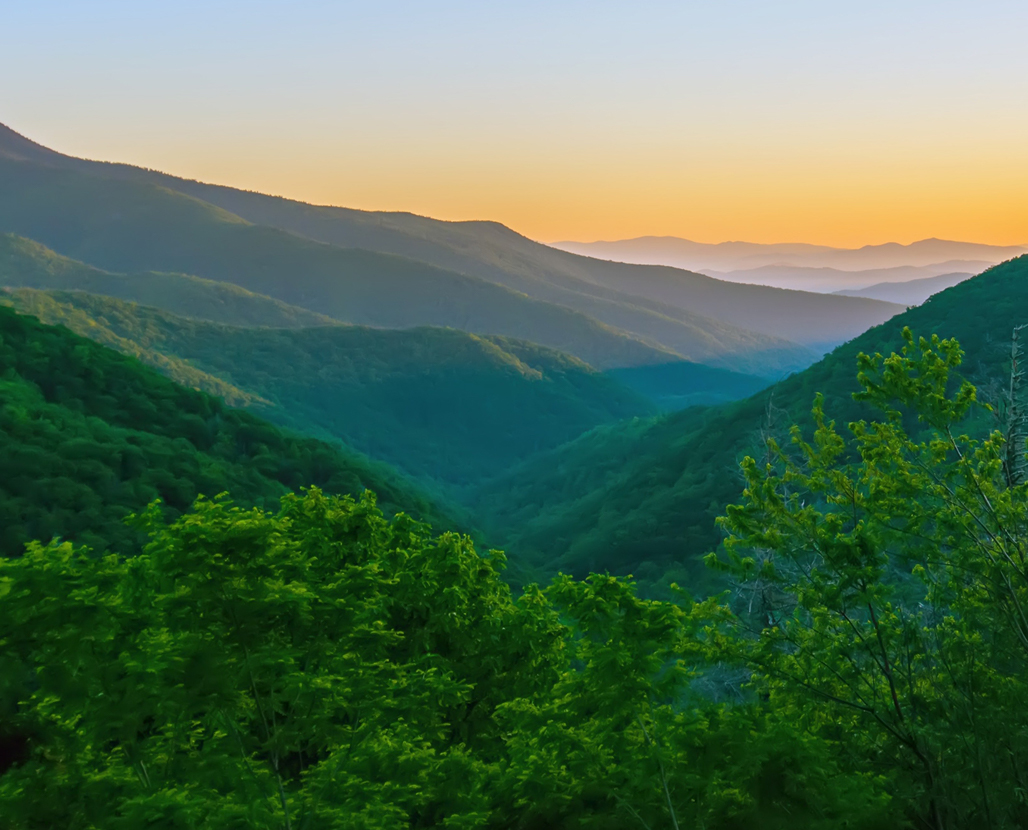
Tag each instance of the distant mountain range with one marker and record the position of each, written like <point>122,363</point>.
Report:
<point>746,256</point>
<point>397,270</point>
<point>833,280</point>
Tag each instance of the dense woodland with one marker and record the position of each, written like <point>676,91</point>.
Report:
<point>642,497</point>
<point>320,666</point>
<point>88,436</point>
<point>440,404</point>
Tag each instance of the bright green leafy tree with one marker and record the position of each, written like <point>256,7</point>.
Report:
<point>884,590</point>
<point>322,667</point>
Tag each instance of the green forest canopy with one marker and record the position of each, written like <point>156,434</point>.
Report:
<point>88,436</point>
<point>642,498</point>
<point>321,667</point>
<point>438,403</point>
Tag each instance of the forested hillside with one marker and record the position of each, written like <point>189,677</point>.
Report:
<point>144,227</point>
<point>317,666</point>
<point>437,403</point>
<point>682,384</point>
<point>88,436</point>
<point>255,650</point>
<point>619,294</point>
<point>27,264</point>
<point>642,497</point>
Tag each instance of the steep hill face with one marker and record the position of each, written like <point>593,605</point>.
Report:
<point>913,292</point>
<point>124,225</point>
<point>645,301</point>
<point>27,264</point>
<point>439,404</point>
<point>625,296</point>
<point>642,497</point>
<point>674,386</point>
<point>88,436</point>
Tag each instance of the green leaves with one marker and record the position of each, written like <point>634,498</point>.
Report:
<point>242,666</point>
<point>322,667</point>
<point>889,571</point>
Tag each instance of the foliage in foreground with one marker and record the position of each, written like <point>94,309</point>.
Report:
<point>322,667</point>
<point>883,599</point>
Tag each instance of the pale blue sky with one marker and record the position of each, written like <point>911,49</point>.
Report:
<point>564,119</point>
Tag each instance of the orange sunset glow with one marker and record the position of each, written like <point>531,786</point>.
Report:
<point>844,129</point>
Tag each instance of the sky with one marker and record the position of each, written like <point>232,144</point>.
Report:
<point>839,123</point>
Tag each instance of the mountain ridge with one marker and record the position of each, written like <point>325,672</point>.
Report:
<point>638,301</point>
<point>143,227</point>
<point>737,256</point>
<point>146,227</point>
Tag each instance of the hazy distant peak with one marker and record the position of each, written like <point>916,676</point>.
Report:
<point>726,257</point>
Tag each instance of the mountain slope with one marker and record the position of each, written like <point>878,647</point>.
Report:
<point>625,296</point>
<point>679,385</point>
<point>641,497</point>
<point>913,292</point>
<point>88,436</point>
<point>27,264</point>
<point>129,227</point>
<point>145,227</point>
<point>437,403</point>
<point>628,297</point>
